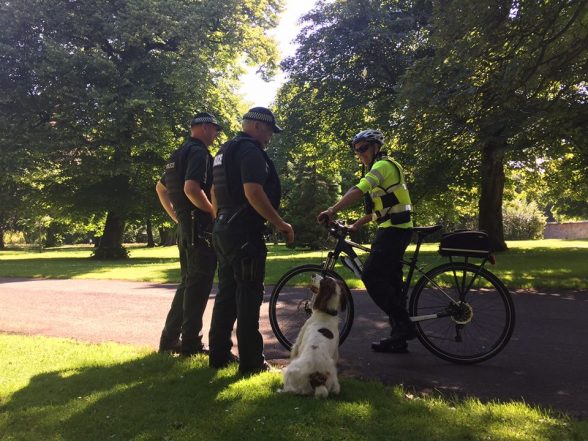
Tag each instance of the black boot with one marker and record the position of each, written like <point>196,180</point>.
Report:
<point>390,346</point>
<point>403,330</point>
<point>169,347</point>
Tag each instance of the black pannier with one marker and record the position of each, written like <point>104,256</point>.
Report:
<point>465,243</point>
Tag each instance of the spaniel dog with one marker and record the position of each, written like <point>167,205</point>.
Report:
<point>312,368</point>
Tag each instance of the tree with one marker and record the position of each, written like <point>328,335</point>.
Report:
<point>112,84</point>
<point>462,90</point>
<point>506,78</point>
<point>313,194</point>
<point>342,80</point>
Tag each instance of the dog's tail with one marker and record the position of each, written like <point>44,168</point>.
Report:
<point>317,381</point>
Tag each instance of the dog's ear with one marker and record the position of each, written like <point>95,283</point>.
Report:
<point>326,283</point>
<point>321,301</point>
<point>342,296</point>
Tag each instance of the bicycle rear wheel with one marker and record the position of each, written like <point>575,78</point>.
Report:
<point>466,313</point>
<point>290,304</point>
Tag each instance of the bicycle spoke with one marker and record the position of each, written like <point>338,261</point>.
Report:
<point>442,291</point>
<point>479,324</point>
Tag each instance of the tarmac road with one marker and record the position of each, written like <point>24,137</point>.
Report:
<point>545,363</point>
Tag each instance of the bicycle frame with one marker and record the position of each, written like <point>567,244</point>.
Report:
<point>449,291</point>
<point>347,248</point>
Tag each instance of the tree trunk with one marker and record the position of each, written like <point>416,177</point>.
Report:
<point>110,246</point>
<point>492,190</point>
<point>2,244</point>
<point>167,237</point>
<point>149,228</point>
<point>118,185</point>
<point>113,230</point>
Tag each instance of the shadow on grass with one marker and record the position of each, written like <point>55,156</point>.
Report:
<point>157,397</point>
<point>537,267</point>
<point>543,267</point>
<point>71,267</point>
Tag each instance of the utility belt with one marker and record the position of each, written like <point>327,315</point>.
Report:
<point>395,218</point>
<point>244,218</point>
<point>200,228</point>
<point>229,216</point>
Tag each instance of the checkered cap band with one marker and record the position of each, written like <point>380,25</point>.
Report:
<point>259,117</point>
<point>204,119</point>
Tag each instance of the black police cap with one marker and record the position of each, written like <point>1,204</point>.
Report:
<point>264,115</point>
<point>204,117</point>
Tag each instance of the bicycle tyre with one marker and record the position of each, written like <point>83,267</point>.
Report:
<point>485,320</point>
<point>285,312</point>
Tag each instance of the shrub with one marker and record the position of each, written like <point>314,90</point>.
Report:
<point>522,220</point>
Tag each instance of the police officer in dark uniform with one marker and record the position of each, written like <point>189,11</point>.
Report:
<point>184,193</point>
<point>246,193</point>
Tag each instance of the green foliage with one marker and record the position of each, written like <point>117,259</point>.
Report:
<point>459,88</point>
<point>342,80</point>
<point>502,82</point>
<point>96,93</point>
<point>559,186</point>
<point>566,185</point>
<point>310,195</point>
<point>523,220</point>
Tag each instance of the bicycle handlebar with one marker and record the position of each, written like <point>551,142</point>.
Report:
<point>337,229</point>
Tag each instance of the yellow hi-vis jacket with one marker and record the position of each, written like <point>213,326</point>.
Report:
<point>387,189</point>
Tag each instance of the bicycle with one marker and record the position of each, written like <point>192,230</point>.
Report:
<point>463,313</point>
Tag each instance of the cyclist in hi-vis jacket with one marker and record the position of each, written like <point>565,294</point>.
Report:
<point>387,202</point>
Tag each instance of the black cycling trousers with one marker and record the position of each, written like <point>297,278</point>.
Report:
<point>382,274</point>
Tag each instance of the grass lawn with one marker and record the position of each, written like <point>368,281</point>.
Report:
<point>543,264</point>
<point>114,392</point>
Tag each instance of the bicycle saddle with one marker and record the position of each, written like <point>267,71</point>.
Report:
<point>425,231</point>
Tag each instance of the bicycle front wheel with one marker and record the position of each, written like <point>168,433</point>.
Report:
<point>463,313</point>
<point>290,304</point>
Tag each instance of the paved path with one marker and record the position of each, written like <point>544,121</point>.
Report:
<point>545,363</point>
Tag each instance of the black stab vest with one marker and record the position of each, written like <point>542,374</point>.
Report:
<point>228,185</point>
<point>175,173</point>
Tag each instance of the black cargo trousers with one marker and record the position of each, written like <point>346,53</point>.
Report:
<point>197,267</point>
<point>241,252</point>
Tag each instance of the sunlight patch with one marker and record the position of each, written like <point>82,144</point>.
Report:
<point>251,388</point>
<point>68,373</point>
<point>359,410</point>
<point>227,372</point>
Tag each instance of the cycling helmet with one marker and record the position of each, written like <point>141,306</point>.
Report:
<point>370,135</point>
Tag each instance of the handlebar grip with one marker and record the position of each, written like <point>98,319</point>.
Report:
<point>324,220</point>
